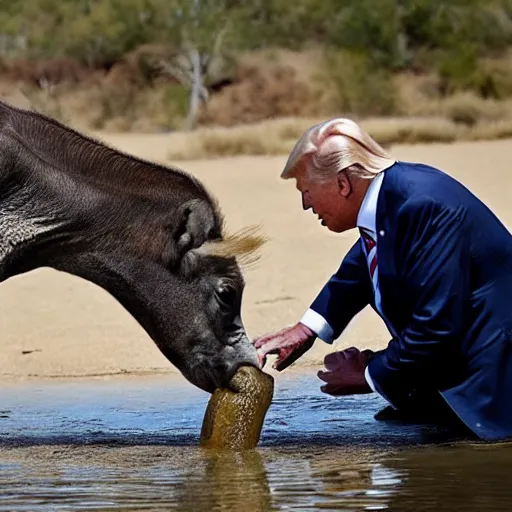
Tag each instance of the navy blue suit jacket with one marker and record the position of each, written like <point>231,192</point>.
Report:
<point>445,276</point>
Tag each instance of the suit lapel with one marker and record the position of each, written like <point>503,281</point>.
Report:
<point>386,235</point>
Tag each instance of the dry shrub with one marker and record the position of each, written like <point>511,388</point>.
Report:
<point>356,86</point>
<point>223,142</point>
<point>41,72</point>
<point>419,95</point>
<point>144,64</point>
<point>125,105</point>
<point>492,131</point>
<point>290,129</point>
<point>256,95</point>
<point>277,95</point>
<point>411,130</point>
<point>306,63</point>
<point>468,108</point>
<point>496,75</point>
<point>46,100</point>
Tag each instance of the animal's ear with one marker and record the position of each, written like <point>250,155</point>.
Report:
<point>193,225</point>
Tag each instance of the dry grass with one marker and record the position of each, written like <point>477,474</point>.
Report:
<point>273,137</point>
<point>278,136</point>
<point>398,130</point>
<point>420,96</point>
<point>492,131</point>
<point>469,109</point>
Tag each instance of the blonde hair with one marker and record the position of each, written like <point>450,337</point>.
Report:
<point>334,145</point>
<point>243,245</point>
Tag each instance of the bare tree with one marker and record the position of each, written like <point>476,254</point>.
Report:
<point>200,31</point>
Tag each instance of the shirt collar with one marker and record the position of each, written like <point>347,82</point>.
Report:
<point>366,217</point>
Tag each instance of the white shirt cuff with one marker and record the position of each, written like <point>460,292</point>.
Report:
<point>372,385</point>
<point>318,325</point>
<point>369,380</point>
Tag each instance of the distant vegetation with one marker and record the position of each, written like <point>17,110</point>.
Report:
<point>162,65</point>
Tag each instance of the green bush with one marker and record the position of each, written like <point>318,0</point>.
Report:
<point>372,27</point>
<point>366,41</point>
<point>175,103</point>
<point>359,87</point>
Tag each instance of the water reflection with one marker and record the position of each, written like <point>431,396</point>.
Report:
<point>256,482</point>
<point>226,482</point>
<point>335,480</point>
<point>429,479</point>
<point>465,477</point>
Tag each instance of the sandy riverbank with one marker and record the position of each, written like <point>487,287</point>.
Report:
<point>56,325</point>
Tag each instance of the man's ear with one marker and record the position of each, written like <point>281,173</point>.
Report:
<point>344,184</point>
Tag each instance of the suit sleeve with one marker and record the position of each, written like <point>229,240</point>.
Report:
<point>434,269</point>
<point>346,293</point>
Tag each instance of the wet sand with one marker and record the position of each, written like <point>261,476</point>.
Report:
<point>56,325</point>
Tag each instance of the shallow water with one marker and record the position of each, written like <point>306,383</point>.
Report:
<point>132,444</point>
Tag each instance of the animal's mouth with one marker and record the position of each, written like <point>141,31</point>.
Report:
<point>230,384</point>
<point>216,370</point>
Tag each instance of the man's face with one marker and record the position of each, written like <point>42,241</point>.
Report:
<point>328,198</point>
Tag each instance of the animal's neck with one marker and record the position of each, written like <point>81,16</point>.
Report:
<point>143,288</point>
<point>92,162</point>
<point>63,193</point>
<point>22,227</point>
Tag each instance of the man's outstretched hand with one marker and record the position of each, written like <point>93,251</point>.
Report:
<point>344,373</point>
<point>289,344</point>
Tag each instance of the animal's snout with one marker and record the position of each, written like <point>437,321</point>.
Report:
<point>223,367</point>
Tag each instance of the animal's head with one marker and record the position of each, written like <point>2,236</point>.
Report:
<point>182,283</point>
<point>116,225</point>
<point>209,342</point>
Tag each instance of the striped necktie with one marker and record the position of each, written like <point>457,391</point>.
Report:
<point>371,251</point>
<point>370,246</point>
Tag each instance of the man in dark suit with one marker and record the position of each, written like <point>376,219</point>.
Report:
<point>432,260</point>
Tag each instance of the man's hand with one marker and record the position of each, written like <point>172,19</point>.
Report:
<point>345,372</point>
<point>289,344</point>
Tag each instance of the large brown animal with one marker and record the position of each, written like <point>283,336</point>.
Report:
<point>150,236</point>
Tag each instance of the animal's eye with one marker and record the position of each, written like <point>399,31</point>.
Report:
<point>227,295</point>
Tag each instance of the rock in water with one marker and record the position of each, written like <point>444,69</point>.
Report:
<point>234,420</point>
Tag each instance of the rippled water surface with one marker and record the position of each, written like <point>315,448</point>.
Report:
<point>132,444</point>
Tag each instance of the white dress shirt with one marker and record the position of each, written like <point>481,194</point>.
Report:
<point>366,219</point>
